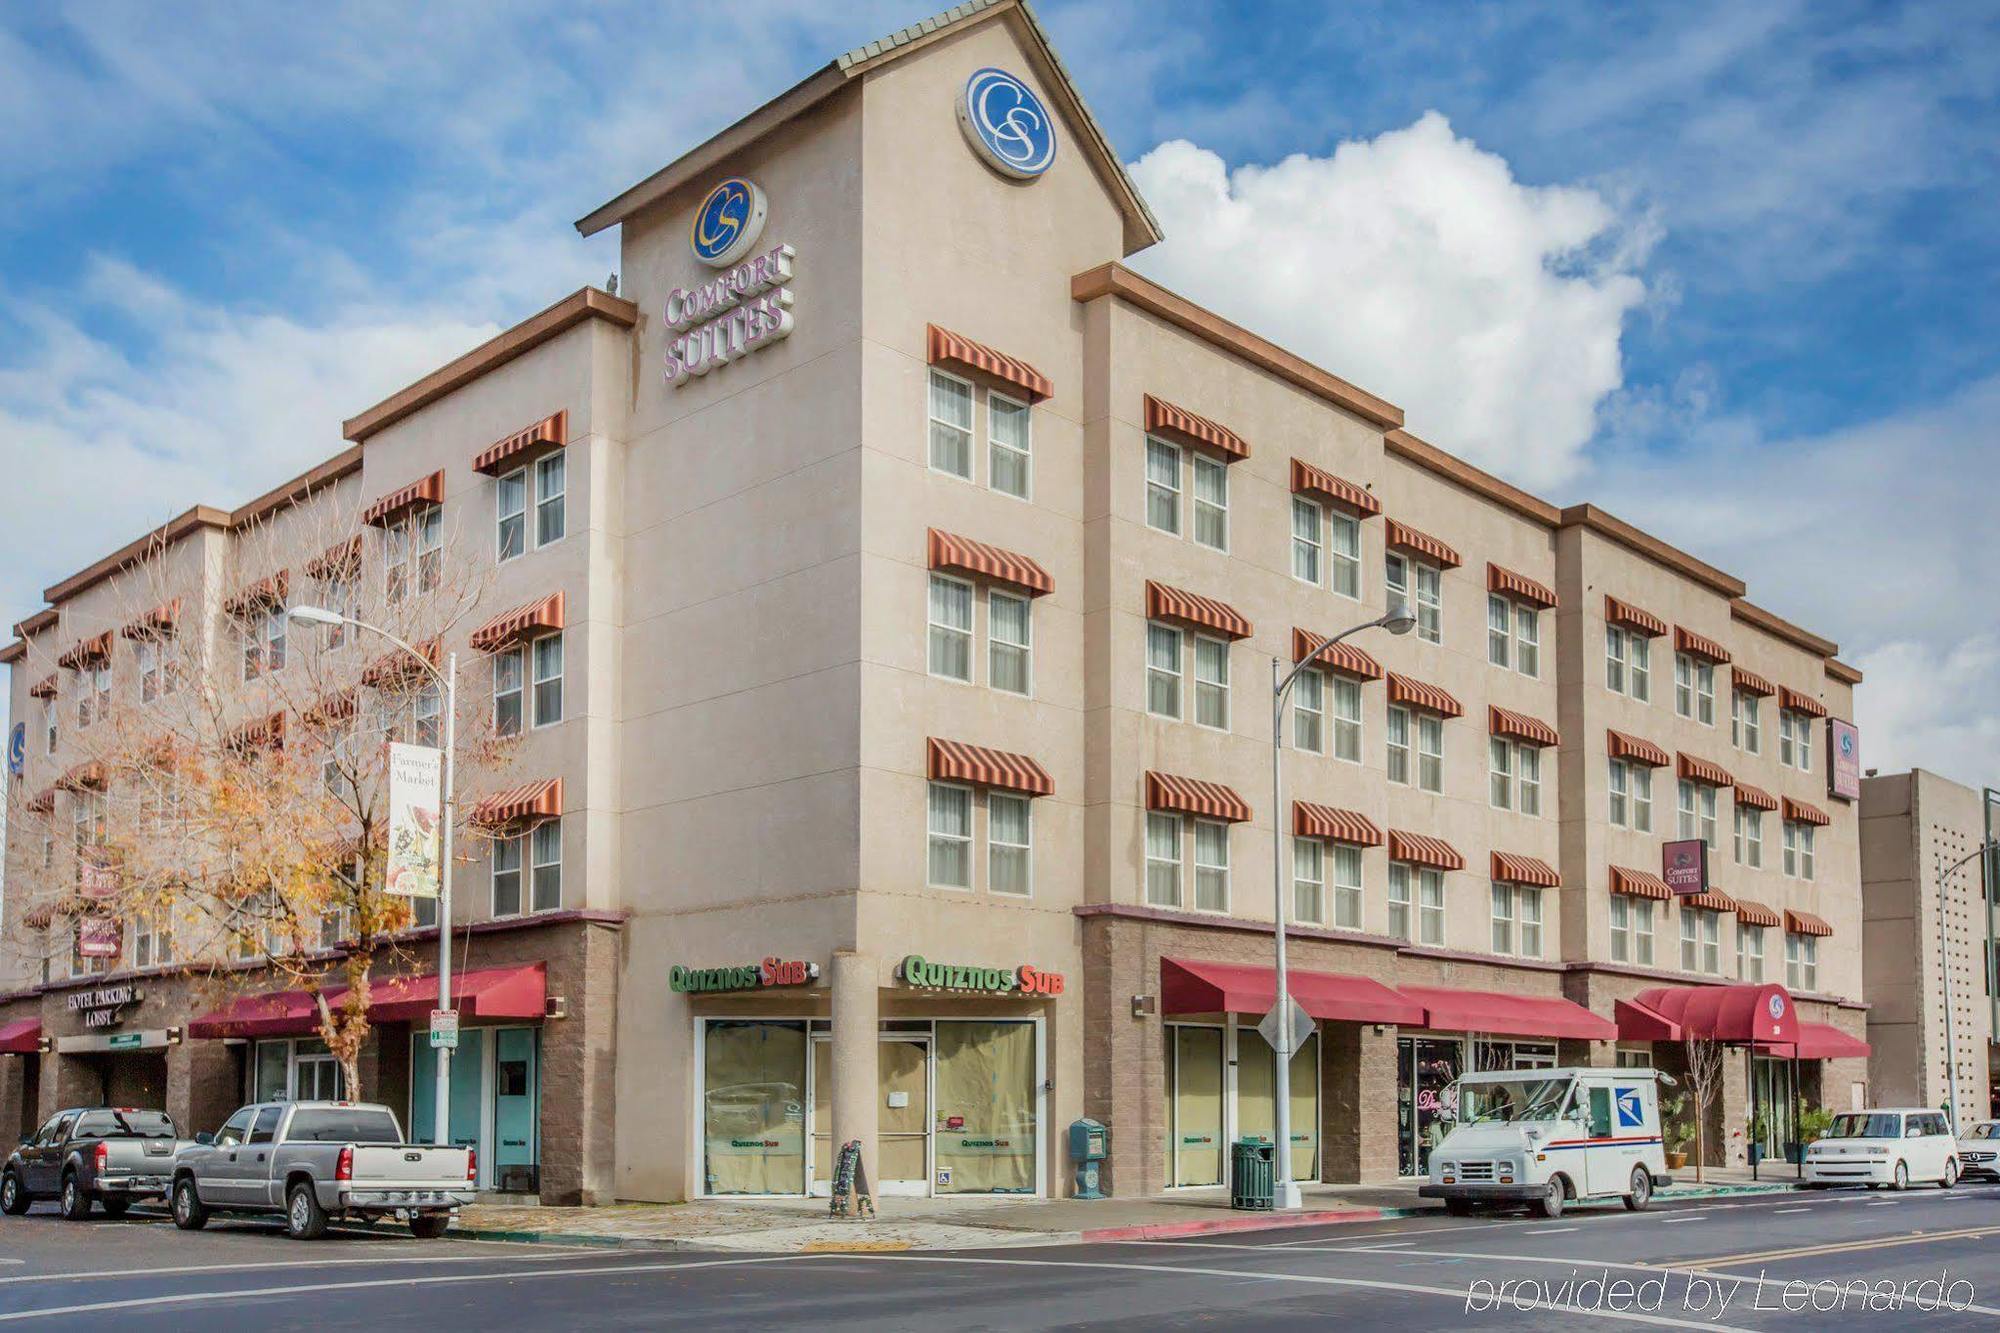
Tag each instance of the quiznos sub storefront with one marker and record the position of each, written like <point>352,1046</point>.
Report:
<point>960,1087</point>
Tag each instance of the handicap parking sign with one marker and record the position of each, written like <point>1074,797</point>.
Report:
<point>1631,1111</point>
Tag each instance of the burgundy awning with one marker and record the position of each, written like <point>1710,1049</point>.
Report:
<point>1638,1023</point>
<point>1496,1012</point>
<point>495,993</point>
<point>23,1036</point>
<point>1737,1014</point>
<point>1190,987</point>
<point>1819,1041</point>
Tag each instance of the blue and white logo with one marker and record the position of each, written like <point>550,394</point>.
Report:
<point>17,749</point>
<point>1631,1110</point>
<point>1847,745</point>
<point>1776,1004</point>
<point>728,222</point>
<point>1007,125</point>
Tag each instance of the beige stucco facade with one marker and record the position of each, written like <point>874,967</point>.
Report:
<point>750,702</point>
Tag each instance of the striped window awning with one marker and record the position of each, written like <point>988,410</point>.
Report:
<point>1700,770</point>
<point>1631,617</point>
<point>265,733</point>
<point>87,652</point>
<point>1805,923</point>
<point>1532,871</point>
<point>1700,645</point>
<point>1323,485</point>
<point>1343,657</point>
<point>1402,535</point>
<point>87,776</point>
<point>1179,424</point>
<point>965,556</point>
<point>1639,884</point>
<point>1621,745</point>
<point>332,709</point>
<point>523,446</point>
<point>1751,683</point>
<point>1165,603</point>
<point>1323,821</point>
<point>393,670</point>
<point>545,616</point>
<point>422,492</point>
<point>1755,797</point>
<point>529,803</point>
<point>1191,796</point>
<point>1519,726</point>
<point>1791,699</point>
<point>1754,914</point>
<point>157,623</point>
<point>955,761</point>
<point>1508,583</point>
<point>264,592</point>
<point>1420,849</point>
<point>942,347</point>
<point>44,804</point>
<point>1715,900</point>
<point>1404,690</point>
<point>44,688</point>
<point>342,560</point>
<point>1804,812</point>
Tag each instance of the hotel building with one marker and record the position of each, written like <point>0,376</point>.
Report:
<point>916,590</point>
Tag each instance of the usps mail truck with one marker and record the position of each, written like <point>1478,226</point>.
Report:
<point>1545,1138</point>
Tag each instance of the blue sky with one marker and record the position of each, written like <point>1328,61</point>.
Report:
<point>1726,269</point>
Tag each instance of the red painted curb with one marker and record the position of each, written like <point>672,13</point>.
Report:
<point>1253,1222</point>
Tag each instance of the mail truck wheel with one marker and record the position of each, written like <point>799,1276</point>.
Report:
<point>75,1199</point>
<point>1551,1202</point>
<point>13,1199</point>
<point>304,1218</point>
<point>189,1212</point>
<point>1640,1197</point>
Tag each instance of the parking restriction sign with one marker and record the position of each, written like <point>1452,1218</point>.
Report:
<point>444,1029</point>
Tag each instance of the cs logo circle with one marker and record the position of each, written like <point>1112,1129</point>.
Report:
<point>1006,124</point>
<point>1777,1005</point>
<point>728,222</point>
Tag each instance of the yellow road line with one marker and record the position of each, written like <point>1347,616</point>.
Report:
<point>1837,1247</point>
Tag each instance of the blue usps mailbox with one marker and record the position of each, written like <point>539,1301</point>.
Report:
<point>1089,1141</point>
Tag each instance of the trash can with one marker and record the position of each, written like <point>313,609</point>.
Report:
<point>1252,1175</point>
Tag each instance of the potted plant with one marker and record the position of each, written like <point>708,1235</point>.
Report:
<point>1814,1122</point>
<point>1758,1128</point>
<point>1675,1129</point>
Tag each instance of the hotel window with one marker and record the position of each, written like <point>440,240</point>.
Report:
<point>950,836</point>
<point>513,703</point>
<point>1211,866</point>
<point>509,694</point>
<point>1746,731</point>
<point>1428,885</point>
<point>541,850</point>
<point>1631,791</point>
<point>1163,859</point>
<point>1163,486</point>
<point>1749,836</point>
<point>152,940</point>
<point>1427,732</point>
<point>548,477</point>
<point>1211,682</point>
<point>1801,962</point>
<point>1163,670</point>
<point>1513,635</point>
<point>545,656</point>
<point>1309,712</point>
<point>1009,844</point>
<point>551,497</point>
<point>1326,547</point>
<point>1697,812</point>
<point>93,692</point>
<point>1795,740</point>
<point>1515,778</point>
<point>159,669</point>
<point>1422,586</point>
<point>1346,886</point>
<point>1631,930</point>
<point>1008,454</point>
<point>1694,688</point>
<point>1308,543</point>
<point>261,632</point>
<point>1347,719</point>
<point>1701,941</point>
<point>1517,920</point>
<point>1008,627</point>
<point>51,721</point>
<point>950,628</point>
<point>1749,953</point>
<point>1798,849</point>
<point>1308,880</point>
<point>1628,663</point>
<point>1211,502</point>
<point>413,717</point>
<point>951,425</point>
<point>417,537</point>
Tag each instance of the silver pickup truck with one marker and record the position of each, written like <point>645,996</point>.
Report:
<point>313,1161</point>
<point>104,1155</point>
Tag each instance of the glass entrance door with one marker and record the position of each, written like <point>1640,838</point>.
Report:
<point>1257,1098</point>
<point>516,1110</point>
<point>1778,1103</point>
<point>1195,1090</point>
<point>903,1115</point>
<point>1425,1067</point>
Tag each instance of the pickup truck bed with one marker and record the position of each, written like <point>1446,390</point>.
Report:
<point>89,1156</point>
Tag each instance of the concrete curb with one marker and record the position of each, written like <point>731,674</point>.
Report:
<point>1210,1226</point>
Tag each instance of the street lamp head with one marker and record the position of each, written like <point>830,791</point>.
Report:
<point>1398,619</point>
<point>315,615</point>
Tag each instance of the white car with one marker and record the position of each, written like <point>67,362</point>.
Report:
<point>1894,1146</point>
<point>1979,1149</point>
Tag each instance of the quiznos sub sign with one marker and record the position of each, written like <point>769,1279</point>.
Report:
<point>750,976</point>
<point>1023,980</point>
<point>746,307</point>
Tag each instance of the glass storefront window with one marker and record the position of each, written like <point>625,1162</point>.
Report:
<point>753,1107</point>
<point>986,1127</point>
<point>1425,1067</point>
<point>1256,1097</point>
<point>1194,1078</point>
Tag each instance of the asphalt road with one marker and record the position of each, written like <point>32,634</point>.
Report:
<point>1928,1259</point>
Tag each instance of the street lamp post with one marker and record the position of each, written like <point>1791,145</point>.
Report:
<point>1397,620</point>
<point>448,680</point>
<point>1944,875</point>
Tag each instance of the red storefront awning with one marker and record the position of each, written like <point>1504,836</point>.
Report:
<point>496,993</point>
<point>1189,987</point>
<point>1735,1014</point>
<point>1820,1041</point>
<point>1498,1013</point>
<point>23,1036</point>
<point>1638,1023</point>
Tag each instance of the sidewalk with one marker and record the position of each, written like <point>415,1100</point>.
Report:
<point>802,1225</point>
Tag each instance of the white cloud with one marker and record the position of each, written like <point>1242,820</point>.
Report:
<point>1416,265</point>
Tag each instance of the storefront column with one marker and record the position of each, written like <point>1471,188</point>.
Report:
<point>1575,1051</point>
<point>17,1115</point>
<point>204,1084</point>
<point>70,1080</point>
<point>1357,1103</point>
<point>857,1029</point>
<point>1732,1111</point>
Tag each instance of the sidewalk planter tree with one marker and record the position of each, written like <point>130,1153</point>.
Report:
<point>1704,1058</point>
